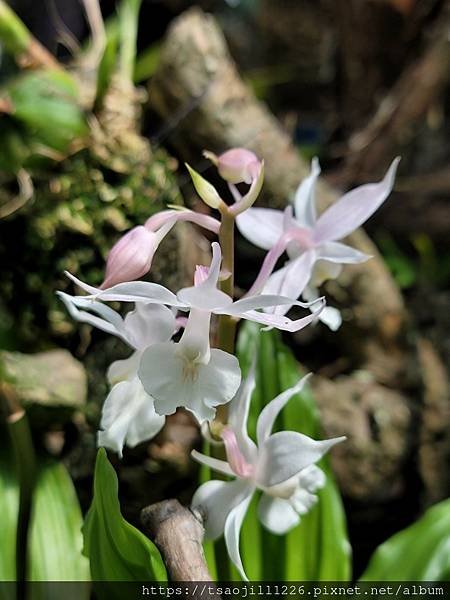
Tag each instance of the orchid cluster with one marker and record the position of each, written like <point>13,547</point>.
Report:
<point>183,343</point>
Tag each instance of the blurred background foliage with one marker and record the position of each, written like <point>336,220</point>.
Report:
<point>85,155</point>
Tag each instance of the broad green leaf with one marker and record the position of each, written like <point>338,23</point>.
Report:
<point>55,540</point>
<point>117,551</point>
<point>318,548</point>
<point>421,552</point>
<point>55,546</point>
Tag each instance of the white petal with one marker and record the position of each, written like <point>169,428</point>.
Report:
<point>277,514</point>
<point>148,324</point>
<point>305,203</point>
<point>128,416</point>
<point>323,271</point>
<point>215,500</point>
<point>293,279</point>
<point>341,253</point>
<point>331,317</point>
<point>238,415</point>
<point>134,291</point>
<point>259,301</point>
<point>221,466</point>
<point>194,342</point>
<point>108,321</point>
<point>271,411</point>
<point>261,226</point>
<point>206,296</point>
<point>126,369</point>
<point>280,321</point>
<point>233,525</point>
<point>286,453</point>
<point>312,479</point>
<point>354,208</point>
<point>173,381</point>
<point>146,423</point>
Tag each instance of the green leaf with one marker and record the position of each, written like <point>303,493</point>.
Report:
<point>55,546</point>
<point>421,552</point>
<point>55,539</point>
<point>45,103</point>
<point>9,506</point>
<point>318,548</point>
<point>117,551</point>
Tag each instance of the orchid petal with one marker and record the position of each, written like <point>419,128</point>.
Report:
<point>286,453</point>
<point>215,500</point>
<point>293,279</point>
<point>159,219</point>
<point>354,208</point>
<point>312,479</point>
<point>128,416</point>
<point>109,320</point>
<point>133,291</point>
<point>271,411</point>
<point>280,321</point>
<point>331,317</point>
<point>277,514</point>
<point>194,342</point>
<point>269,263</point>
<point>221,466</point>
<point>174,380</point>
<point>233,525</point>
<point>206,296</point>
<point>341,253</point>
<point>261,226</point>
<point>260,301</point>
<point>250,197</point>
<point>305,202</point>
<point>238,415</point>
<point>148,324</point>
<point>121,370</point>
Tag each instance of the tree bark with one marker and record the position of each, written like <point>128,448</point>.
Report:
<point>198,92</point>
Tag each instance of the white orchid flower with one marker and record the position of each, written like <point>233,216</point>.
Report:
<point>205,296</point>
<point>189,373</point>
<point>281,465</point>
<point>128,413</point>
<point>311,242</point>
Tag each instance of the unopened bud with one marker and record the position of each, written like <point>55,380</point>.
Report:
<point>131,257</point>
<point>237,165</point>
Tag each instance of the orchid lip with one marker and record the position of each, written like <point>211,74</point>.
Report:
<point>235,458</point>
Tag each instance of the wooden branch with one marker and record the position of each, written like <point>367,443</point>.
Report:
<point>178,533</point>
<point>198,92</point>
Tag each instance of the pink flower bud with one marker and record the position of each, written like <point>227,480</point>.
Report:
<point>131,257</point>
<point>237,165</point>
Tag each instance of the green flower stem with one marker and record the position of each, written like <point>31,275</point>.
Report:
<point>227,325</point>
<point>128,27</point>
<point>26,472</point>
<point>19,42</point>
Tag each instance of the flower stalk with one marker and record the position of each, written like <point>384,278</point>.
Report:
<point>226,332</point>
